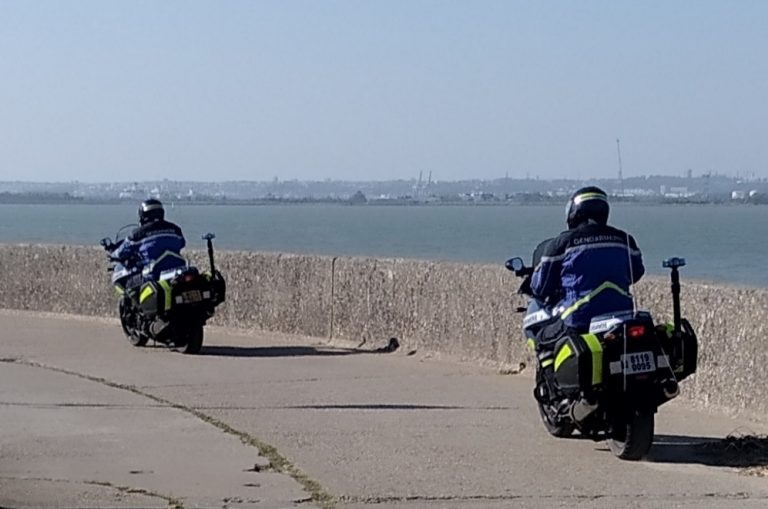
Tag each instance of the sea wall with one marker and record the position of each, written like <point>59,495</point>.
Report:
<point>463,310</point>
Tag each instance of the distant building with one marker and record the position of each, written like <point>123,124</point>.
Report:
<point>678,192</point>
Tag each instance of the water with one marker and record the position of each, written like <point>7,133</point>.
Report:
<point>720,243</point>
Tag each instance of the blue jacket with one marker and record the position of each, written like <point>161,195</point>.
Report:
<point>155,246</point>
<point>587,271</point>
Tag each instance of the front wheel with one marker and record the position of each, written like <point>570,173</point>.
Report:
<point>557,427</point>
<point>191,341</point>
<point>632,435</point>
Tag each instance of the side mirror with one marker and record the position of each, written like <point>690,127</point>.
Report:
<point>105,242</point>
<point>208,236</point>
<point>515,264</point>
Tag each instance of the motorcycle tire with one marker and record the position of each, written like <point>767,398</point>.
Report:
<point>134,337</point>
<point>559,430</point>
<point>632,436</point>
<point>191,342</point>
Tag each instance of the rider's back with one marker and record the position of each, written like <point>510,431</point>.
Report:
<point>590,268</point>
<point>155,239</point>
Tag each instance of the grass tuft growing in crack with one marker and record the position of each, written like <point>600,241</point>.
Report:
<point>277,462</point>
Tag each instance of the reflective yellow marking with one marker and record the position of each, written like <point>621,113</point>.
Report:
<point>546,362</point>
<point>167,291</point>
<point>166,254</point>
<point>589,196</point>
<point>605,286</point>
<point>531,345</point>
<point>564,353</point>
<point>597,357</point>
<point>145,294</point>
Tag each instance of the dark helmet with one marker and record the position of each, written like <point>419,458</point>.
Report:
<point>585,204</point>
<point>151,210</point>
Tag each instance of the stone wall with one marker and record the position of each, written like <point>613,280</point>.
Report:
<point>458,309</point>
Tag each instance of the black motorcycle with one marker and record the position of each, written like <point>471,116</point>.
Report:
<point>608,382</point>
<point>171,308</point>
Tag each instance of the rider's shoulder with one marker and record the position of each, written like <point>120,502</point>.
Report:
<point>555,245</point>
<point>135,234</point>
<point>168,226</point>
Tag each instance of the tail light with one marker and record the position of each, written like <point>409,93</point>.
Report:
<point>188,278</point>
<point>636,331</point>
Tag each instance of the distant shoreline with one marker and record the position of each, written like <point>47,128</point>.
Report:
<point>19,200</point>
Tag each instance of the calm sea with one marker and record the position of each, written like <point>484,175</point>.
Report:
<point>720,243</point>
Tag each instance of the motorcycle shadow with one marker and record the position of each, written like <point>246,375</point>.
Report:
<point>748,451</point>
<point>294,351</point>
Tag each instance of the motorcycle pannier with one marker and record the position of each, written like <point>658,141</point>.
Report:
<point>579,362</point>
<point>152,298</point>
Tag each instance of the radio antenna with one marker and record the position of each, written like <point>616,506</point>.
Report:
<point>631,274</point>
<point>621,176</point>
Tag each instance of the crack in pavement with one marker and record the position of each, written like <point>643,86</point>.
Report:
<point>80,405</point>
<point>172,502</point>
<point>374,500</point>
<point>277,462</point>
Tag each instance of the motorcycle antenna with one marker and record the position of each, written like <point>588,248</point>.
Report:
<point>634,301</point>
<point>208,237</point>
<point>674,264</point>
<point>631,273</point>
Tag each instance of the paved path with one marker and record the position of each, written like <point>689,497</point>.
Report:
<point>272,421</point>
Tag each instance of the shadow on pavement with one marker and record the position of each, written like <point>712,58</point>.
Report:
<point>743,451</point>
<point>293,351</point>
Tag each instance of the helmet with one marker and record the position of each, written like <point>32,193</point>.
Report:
<point>585,204</point>
<point>151,210</point>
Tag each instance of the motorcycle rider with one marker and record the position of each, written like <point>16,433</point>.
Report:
<point>154,246</point>
<point>586,271</point>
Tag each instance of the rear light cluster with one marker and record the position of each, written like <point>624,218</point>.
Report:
<point>635,331</point>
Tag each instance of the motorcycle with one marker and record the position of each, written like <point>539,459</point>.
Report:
<point>609,382</point>
<point>172,308</point>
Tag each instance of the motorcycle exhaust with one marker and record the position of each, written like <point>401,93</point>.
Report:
<point>157,327</point>
<point>582,409</point>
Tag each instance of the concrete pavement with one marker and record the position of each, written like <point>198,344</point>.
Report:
<point>270,420</point>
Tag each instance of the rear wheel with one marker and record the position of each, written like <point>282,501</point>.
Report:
<point>192,341</point>
<point>127,321</point>
<point>632,435</point>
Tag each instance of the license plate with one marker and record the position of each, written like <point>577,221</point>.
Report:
<point>641,362</point>
<point>192,296</point>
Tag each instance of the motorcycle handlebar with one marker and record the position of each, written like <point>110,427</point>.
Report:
<point>524,272</point>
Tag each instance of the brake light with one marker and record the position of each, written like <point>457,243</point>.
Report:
<point>636,331</point>
<point>188,278</point>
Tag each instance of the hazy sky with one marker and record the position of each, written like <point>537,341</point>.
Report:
<point>223,90</point>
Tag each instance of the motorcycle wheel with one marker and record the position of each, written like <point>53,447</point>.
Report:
<point>632,436</point>
<point>191,342</point>
<point>548,417</point>
<point>131,333</point>
<point>548,410</point>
